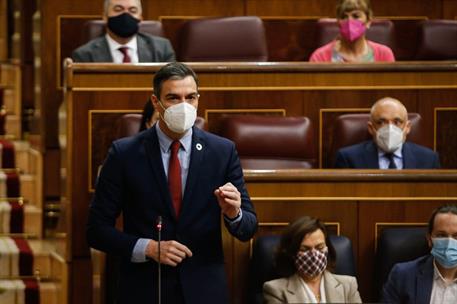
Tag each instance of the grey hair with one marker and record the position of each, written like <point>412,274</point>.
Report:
<point>107,3</point>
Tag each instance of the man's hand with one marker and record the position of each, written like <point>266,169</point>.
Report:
<point>229,199</point>
<point>171,252</point>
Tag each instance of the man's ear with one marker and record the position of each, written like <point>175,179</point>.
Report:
<point>371,129</point>
<point>407,128</point>
<point>429,240</point>
<point>154,101</point>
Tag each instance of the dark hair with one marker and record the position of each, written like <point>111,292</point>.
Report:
<point>290,244</point>
<point>449,208</point>
<point>345,6</point>
<point>148,111</point>
<point>173,70</point>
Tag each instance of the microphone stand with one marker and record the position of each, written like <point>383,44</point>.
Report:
<point>159,283</point>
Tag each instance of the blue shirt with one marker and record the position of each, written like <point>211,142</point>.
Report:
<point>384,160</point>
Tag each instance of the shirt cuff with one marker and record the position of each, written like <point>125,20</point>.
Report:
<point>236,220</point>
<point>139,251</point>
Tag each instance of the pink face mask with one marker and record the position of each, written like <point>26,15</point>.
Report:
<point>352,30</point>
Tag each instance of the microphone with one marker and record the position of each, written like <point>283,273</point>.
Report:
<point>159,273</point>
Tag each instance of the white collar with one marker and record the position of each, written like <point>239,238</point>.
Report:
<point>114,45</point>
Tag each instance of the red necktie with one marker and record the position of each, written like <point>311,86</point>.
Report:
<point>174,177</point>
<point>127,58</point>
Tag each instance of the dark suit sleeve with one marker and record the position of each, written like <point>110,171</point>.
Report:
<point>436,161</point>
<point>106,207</point>
<point>246,228</point>
<point>78,56</point>
<point>168,52</point>
<point>392,287</point>
<point>82,54</point>
<point>341,162</point>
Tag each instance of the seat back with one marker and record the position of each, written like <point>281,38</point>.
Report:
<point>96,28</point>
<point>262,262</point>
<point>381,31</point>
<point>350,129</point>
<point>223,39</point>
<point>129,124</point>
<point>396,245</point>
<point>437,40</point>
<point>271,142</point>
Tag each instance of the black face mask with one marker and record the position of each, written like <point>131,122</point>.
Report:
<point>123,25</point>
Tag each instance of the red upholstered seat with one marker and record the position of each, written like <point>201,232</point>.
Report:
<point>8,154</point>
<point>271,142</point>
<point>129,124</point>
<point>223,39</point>
<point>380,31</point>
<point>96,28</point>
<point>351,129</point>
<point>437,40</point>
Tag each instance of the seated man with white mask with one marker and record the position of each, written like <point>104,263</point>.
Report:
<point>389,126</point>
<point>431,278</point>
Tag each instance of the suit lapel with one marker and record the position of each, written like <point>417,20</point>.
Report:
<point>198,149</point>
<point>144,50</point>
<point>154,156</point>
<point>371,155</point>
<point>295,291</point>
<point>409,160</point>
<point>424,282</point>
<point>101,51</point>
<point>333,289</point>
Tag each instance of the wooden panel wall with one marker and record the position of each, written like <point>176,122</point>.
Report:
<point>97,94</point>
<point>152,10</point>
<point>360,206</point>
<point>3,30</point>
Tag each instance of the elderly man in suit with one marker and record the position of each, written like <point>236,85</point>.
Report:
<point>431,278</point>
<point>188,177</point>
<point>122,42</point>
<point>389,127</point>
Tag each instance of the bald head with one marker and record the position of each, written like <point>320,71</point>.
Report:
<point>386,111</point>
<point>389,104</point>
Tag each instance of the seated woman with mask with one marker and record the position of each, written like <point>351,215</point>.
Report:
<point>354,18</point>
<point>305,257</point>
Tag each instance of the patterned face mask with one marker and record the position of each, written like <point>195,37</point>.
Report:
<point>311,263</point>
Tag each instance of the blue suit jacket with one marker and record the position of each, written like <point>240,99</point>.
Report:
<point>132,181</point>
<point>365,156</point>
<point>410,282</point>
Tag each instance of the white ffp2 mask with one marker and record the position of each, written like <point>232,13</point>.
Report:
<point>389,138</point>
<point>180,117</point>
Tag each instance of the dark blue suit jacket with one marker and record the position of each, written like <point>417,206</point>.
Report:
<point>365,156</point>
<point>133,181</point>
<point>410,282</point>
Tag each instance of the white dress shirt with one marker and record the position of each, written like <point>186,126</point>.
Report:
<point>443,292</point>
<point>310,294</point>
<point>117,55</point>
<point>384,161</point>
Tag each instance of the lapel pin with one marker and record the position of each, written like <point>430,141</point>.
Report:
<point>199,146</point>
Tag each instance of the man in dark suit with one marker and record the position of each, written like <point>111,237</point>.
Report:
<point>122,42</point>
<point>431,278</point>
<point>389,127</point>
<point>205,182</point>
